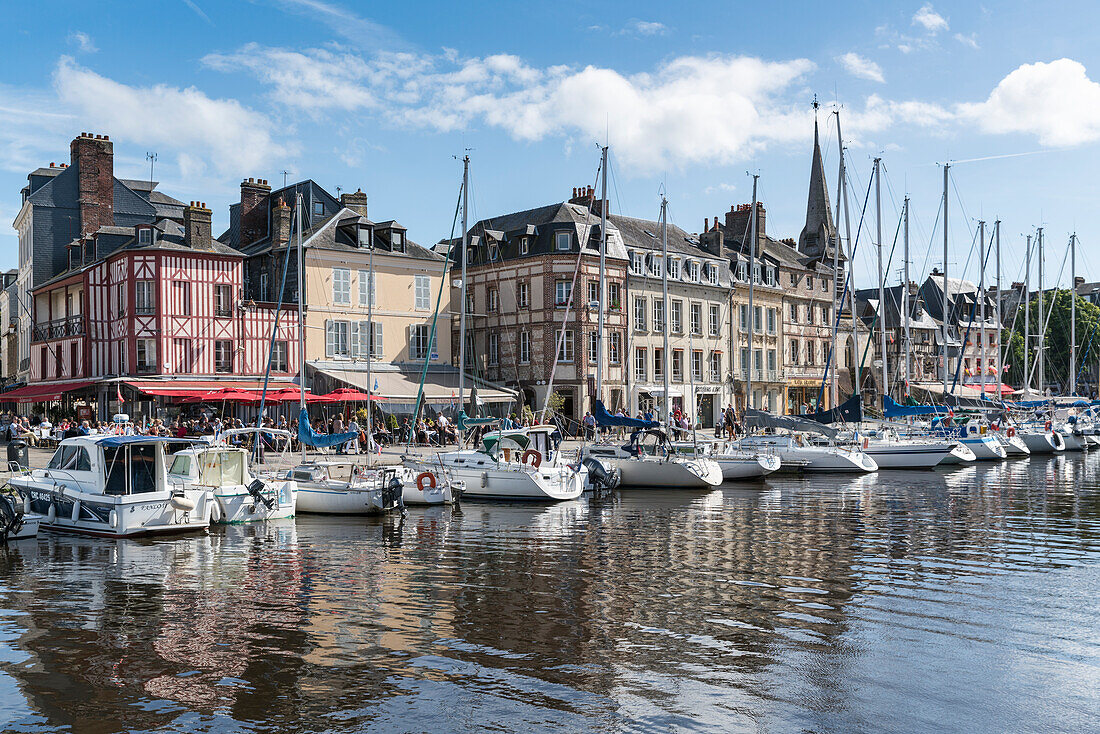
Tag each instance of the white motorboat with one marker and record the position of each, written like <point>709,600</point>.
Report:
<point>650,461</point>
<point>428,484</point>
<point>239,495</point>
<point>114,486</point>
<point>797,452</point>
<point>346,488</point>
<point>519,464</point>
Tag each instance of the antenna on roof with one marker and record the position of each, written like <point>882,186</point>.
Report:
<point>285,174</point>
<point>338,190</point>
<point>152,158</point>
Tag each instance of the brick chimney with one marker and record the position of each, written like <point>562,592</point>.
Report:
<point>280,223</point>
<point>357,202</point>
<point>739,223</point>
<point>254,195</point>
<point>1078,281</point>
<point>196,227</point>
<point>586,197</point>
<point>94,158</point>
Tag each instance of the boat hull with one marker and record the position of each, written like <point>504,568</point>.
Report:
<point>985,448</point>
<point>237,505</point>
<point>486,478</point>
<point>890,455</point>
<point>747,467</point>
<point>1043,442</point>
<point>676,473</point>
<point>960,454</point>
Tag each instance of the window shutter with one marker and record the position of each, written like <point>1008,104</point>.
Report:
<point>356,330</point>
<point>330,338</point>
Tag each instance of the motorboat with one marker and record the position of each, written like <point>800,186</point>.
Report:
<point>515,464</point>
<point>425,483</point>
<point>799,452</point>
<point>239,494</point>
<point>737,463</point>
<point>342,487</point>
<point>113,486</point>
<point>650,461</point>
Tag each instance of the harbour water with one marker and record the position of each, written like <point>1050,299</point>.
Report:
<point>947,600</point>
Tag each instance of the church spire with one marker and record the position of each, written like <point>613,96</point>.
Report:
<point>818,233</point>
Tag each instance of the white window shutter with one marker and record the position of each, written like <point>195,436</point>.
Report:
<point>330,338</point>
<point>377,346</point>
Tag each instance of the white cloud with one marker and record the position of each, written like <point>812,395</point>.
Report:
<point>971,40</point>
<point>83,42</point>
<point>645,28</point>
<point>353,27</point>
<point>861,67</point>
<point>218,133</point>
<point>1055,101</point>
<point>929,19</point>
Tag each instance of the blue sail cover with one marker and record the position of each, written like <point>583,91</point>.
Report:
<point>850,411</point>
<point>606,420</point>
<point>892,409</point>
<point>309,437</point>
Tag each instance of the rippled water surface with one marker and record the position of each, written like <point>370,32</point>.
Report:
<point>962,600</point>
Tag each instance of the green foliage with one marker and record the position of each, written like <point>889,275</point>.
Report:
<point>1057,338</point>
<point>555,404</point>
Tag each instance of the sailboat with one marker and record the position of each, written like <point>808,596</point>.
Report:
<point>520,464</point>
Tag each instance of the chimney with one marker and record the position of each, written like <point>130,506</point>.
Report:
<point>1078,281</point>
<point>94,158</point>
<point>739,223</point>
<point>357,202</point>
<point>196,227</point>
<point>253,214</point>
<point>586,196</point>
<point>280,223</point>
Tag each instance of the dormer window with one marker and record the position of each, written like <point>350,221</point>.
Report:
<point>397,241</point>
<point>524,246</point>
<point>693,271</point>
<point>673,267</point>
<point>712,273</point>
<point>637,263</point>
<point>563,241</point>
<point>318,208</point>
<point>743,271</point>
<point>494,252</point>
<point>769,276</point>
<point>145,236</point>
<point>363,236</point>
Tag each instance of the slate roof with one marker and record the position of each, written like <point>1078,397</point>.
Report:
<point>323,236</point>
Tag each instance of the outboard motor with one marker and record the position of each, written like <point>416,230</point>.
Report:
<point>600,476</point>
<point>11,516</point>
<point>256,489</point>
<point>392,490</point>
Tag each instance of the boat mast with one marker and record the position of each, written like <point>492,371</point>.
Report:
<point>666,357</point>
<point>834,390</point>
<point>603,276</point>
<point>905,295</point>
<point>462,294</point>
<point>997,307</point>
<point>881,288</point>
<point>1027,316</point>
<point>301,319</point>
<point>946,169</point>
<point>752,313</point>
<point>1073,314</point>
<point>856,386</point>
<point>1042,321</point>
<point>981,303</point>
<point>370,348</point>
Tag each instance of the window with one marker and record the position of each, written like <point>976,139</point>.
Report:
<point>524,348</point>
<point>565,351</point>
<point>470,302</point>
<point>494,252</point>
<point>422,292</point>
<point>658,363</point>
<point>361,339</point>
<point>494,300</point>
<point>367,284</point>
<point>318,208</point>
<point>744,316</point>
<point>494,348</point>
<point>693,271</point>
<point>712,273</point>
<point>593,347</point>
<point>563,241</point>
<point>223,301</point>
<point>145,298</point>
<point>593,292</point>
<point>758,319</point>
<point>655,265</point>
<point>659,316</point>
<point>794,351</point>
<point>697,365</point>
<point>637,263</point>
<point>772,318</point>
<point>146,355</point>
<point>341,285</point>
<point>678,365</point>
<point>614,302</point>
<point>523,294</point>
<point>71,458</point>
<point>771,360</point>
<point>614,347</point>
<point>263,287</point>
<point>756,274</point>
<point>769,275</point>
<point>145,236</point>
<point>824,285</point>
<point>673,267</point>
<point>794,313</point>
<point>397,241</point>
<point>743,271</point>
<point>810,353</point>
<point>181,293</point>
<point>696,311</point>
<point>639,314</point>
<point>419,341</point>
<point>677,317</point>
<point>337,343</point>
<point>184,363</point>
<point>715,320</point>
<point>563,291</point>
<point>824,314</point>
<point>758,359</point>
<point>362,236</point>
<point>793,279</point>
<point>524,246</point>
<point>280,357</point>
<point>716,366</point>
<point>223,355</point>
<point>809,282</point>
<point>744,361</point>
<point>641,365</point>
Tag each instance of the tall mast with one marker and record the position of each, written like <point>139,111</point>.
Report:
<point>997,307</point>
<point>462,288</point>
<point>1042,321</point>
<point>1027,316</point>
<point>603,276</point>
<point>834,394</point>
<point>667,359</point>
<point>1073,314</point>
<point>881,288</point>
<point>981,304</point>
<point>752,313</point>
<point>905,294</point>
<point>301,306</point>
<point>946,169</point>
<point>856,385</point>
<point>370,347</point>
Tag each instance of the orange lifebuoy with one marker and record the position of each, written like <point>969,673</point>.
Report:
<point>425,477</point>
<point>1046,426</point>
<point>535,456</point>
<point>1011,432</point>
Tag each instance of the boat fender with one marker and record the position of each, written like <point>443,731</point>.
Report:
<point>484,479</point>
<point>534,456</point>
<point>215,513</point>
<point>1046,426</point>
<point>27,505</point>
<point>866,443</point>
<point>112,519</point>
<point>76,511</point>
<point>182,502</point>
<point>51,514</point>
<point>425,477</point>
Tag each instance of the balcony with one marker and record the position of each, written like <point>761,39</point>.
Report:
<point>58,329</point>
<point>222,312</point>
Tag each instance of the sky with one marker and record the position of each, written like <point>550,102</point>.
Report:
<point>692,97</point>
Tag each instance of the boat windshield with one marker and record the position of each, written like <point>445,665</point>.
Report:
<point>73,458</point>
<point>181,465</point>
<point>222,468</point>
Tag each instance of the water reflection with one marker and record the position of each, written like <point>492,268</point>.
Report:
<point>817,603</point>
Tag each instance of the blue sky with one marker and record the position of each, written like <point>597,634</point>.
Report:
<point>691,95</point>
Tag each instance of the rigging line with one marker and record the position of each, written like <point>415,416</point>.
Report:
<point>932,238</point>
<point>1046,321</point>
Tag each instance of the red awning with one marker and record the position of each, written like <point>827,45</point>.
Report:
<point>202,388</point>
<point>43,391</point>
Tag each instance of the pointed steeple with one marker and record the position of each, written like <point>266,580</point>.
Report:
<point>817,236</point>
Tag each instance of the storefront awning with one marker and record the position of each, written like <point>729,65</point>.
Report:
<point>43,391</point>
<point>401,386</point>
<point>200,388</point>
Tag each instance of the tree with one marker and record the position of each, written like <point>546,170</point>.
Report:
<point>1057,342</point>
